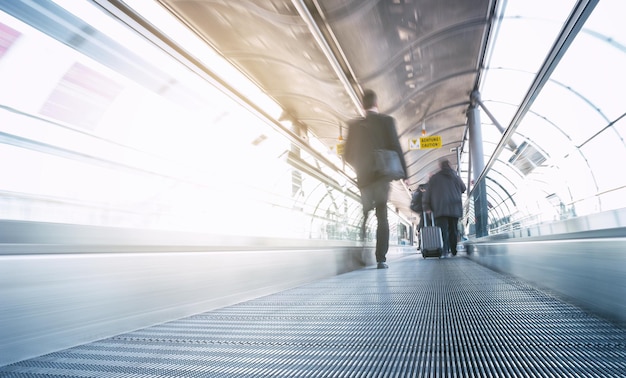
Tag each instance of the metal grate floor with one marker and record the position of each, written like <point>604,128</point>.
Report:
<point>420,318</point>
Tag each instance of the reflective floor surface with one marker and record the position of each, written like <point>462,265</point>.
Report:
<point>419,318</point>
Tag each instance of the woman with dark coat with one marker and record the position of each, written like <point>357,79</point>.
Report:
<point>443,198</point>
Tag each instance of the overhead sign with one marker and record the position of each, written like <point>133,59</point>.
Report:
<point>423,143</point>
<point>430,142</point>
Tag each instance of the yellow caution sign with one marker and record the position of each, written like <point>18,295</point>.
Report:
<point>433,141</point>
<point>423,143</point>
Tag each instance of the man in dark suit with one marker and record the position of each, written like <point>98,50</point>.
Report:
<point>364,135</point>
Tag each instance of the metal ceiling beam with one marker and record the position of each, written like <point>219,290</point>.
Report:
<point>334,53</point>
<point>489,37</point>
<point>120,10</point>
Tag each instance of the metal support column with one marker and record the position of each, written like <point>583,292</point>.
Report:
<point>478,164</point>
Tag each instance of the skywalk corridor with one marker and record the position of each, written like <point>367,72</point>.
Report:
<point>176,200</point>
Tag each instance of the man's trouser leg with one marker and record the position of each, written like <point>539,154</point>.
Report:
<point>419,230</point>
<point>364,225</point>
<point>382,233</point>
<point>454,233</point>
<point>442,222</point>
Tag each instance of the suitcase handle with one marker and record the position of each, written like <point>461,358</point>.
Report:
<point>432,218</point>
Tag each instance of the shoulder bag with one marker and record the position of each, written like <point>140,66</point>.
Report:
<point>387,165</point>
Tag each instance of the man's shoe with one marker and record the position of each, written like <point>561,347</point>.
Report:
<point>382,265</point>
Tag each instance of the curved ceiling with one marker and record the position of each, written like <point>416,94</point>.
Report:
<point>314,58</point>
<point>547,76</point>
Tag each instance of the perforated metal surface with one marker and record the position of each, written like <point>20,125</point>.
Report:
<point>420,318</point>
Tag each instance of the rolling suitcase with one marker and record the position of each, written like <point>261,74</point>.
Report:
<point>432,241</point>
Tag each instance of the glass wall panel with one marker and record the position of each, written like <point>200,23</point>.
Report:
<point>502,92</point>
<point>571,113</point>
<point>594,64</point>
<point>606,169</point>
<point>569,144</point>
<point>86,141</point>
<point>522,39</point>
<point>552,140</point>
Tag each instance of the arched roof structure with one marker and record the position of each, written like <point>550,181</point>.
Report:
<point>540,81</point>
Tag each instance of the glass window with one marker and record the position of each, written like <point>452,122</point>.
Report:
<point>99,146</point>
<point>567,144</point>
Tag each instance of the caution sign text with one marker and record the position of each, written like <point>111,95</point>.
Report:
<point>433,141</point>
